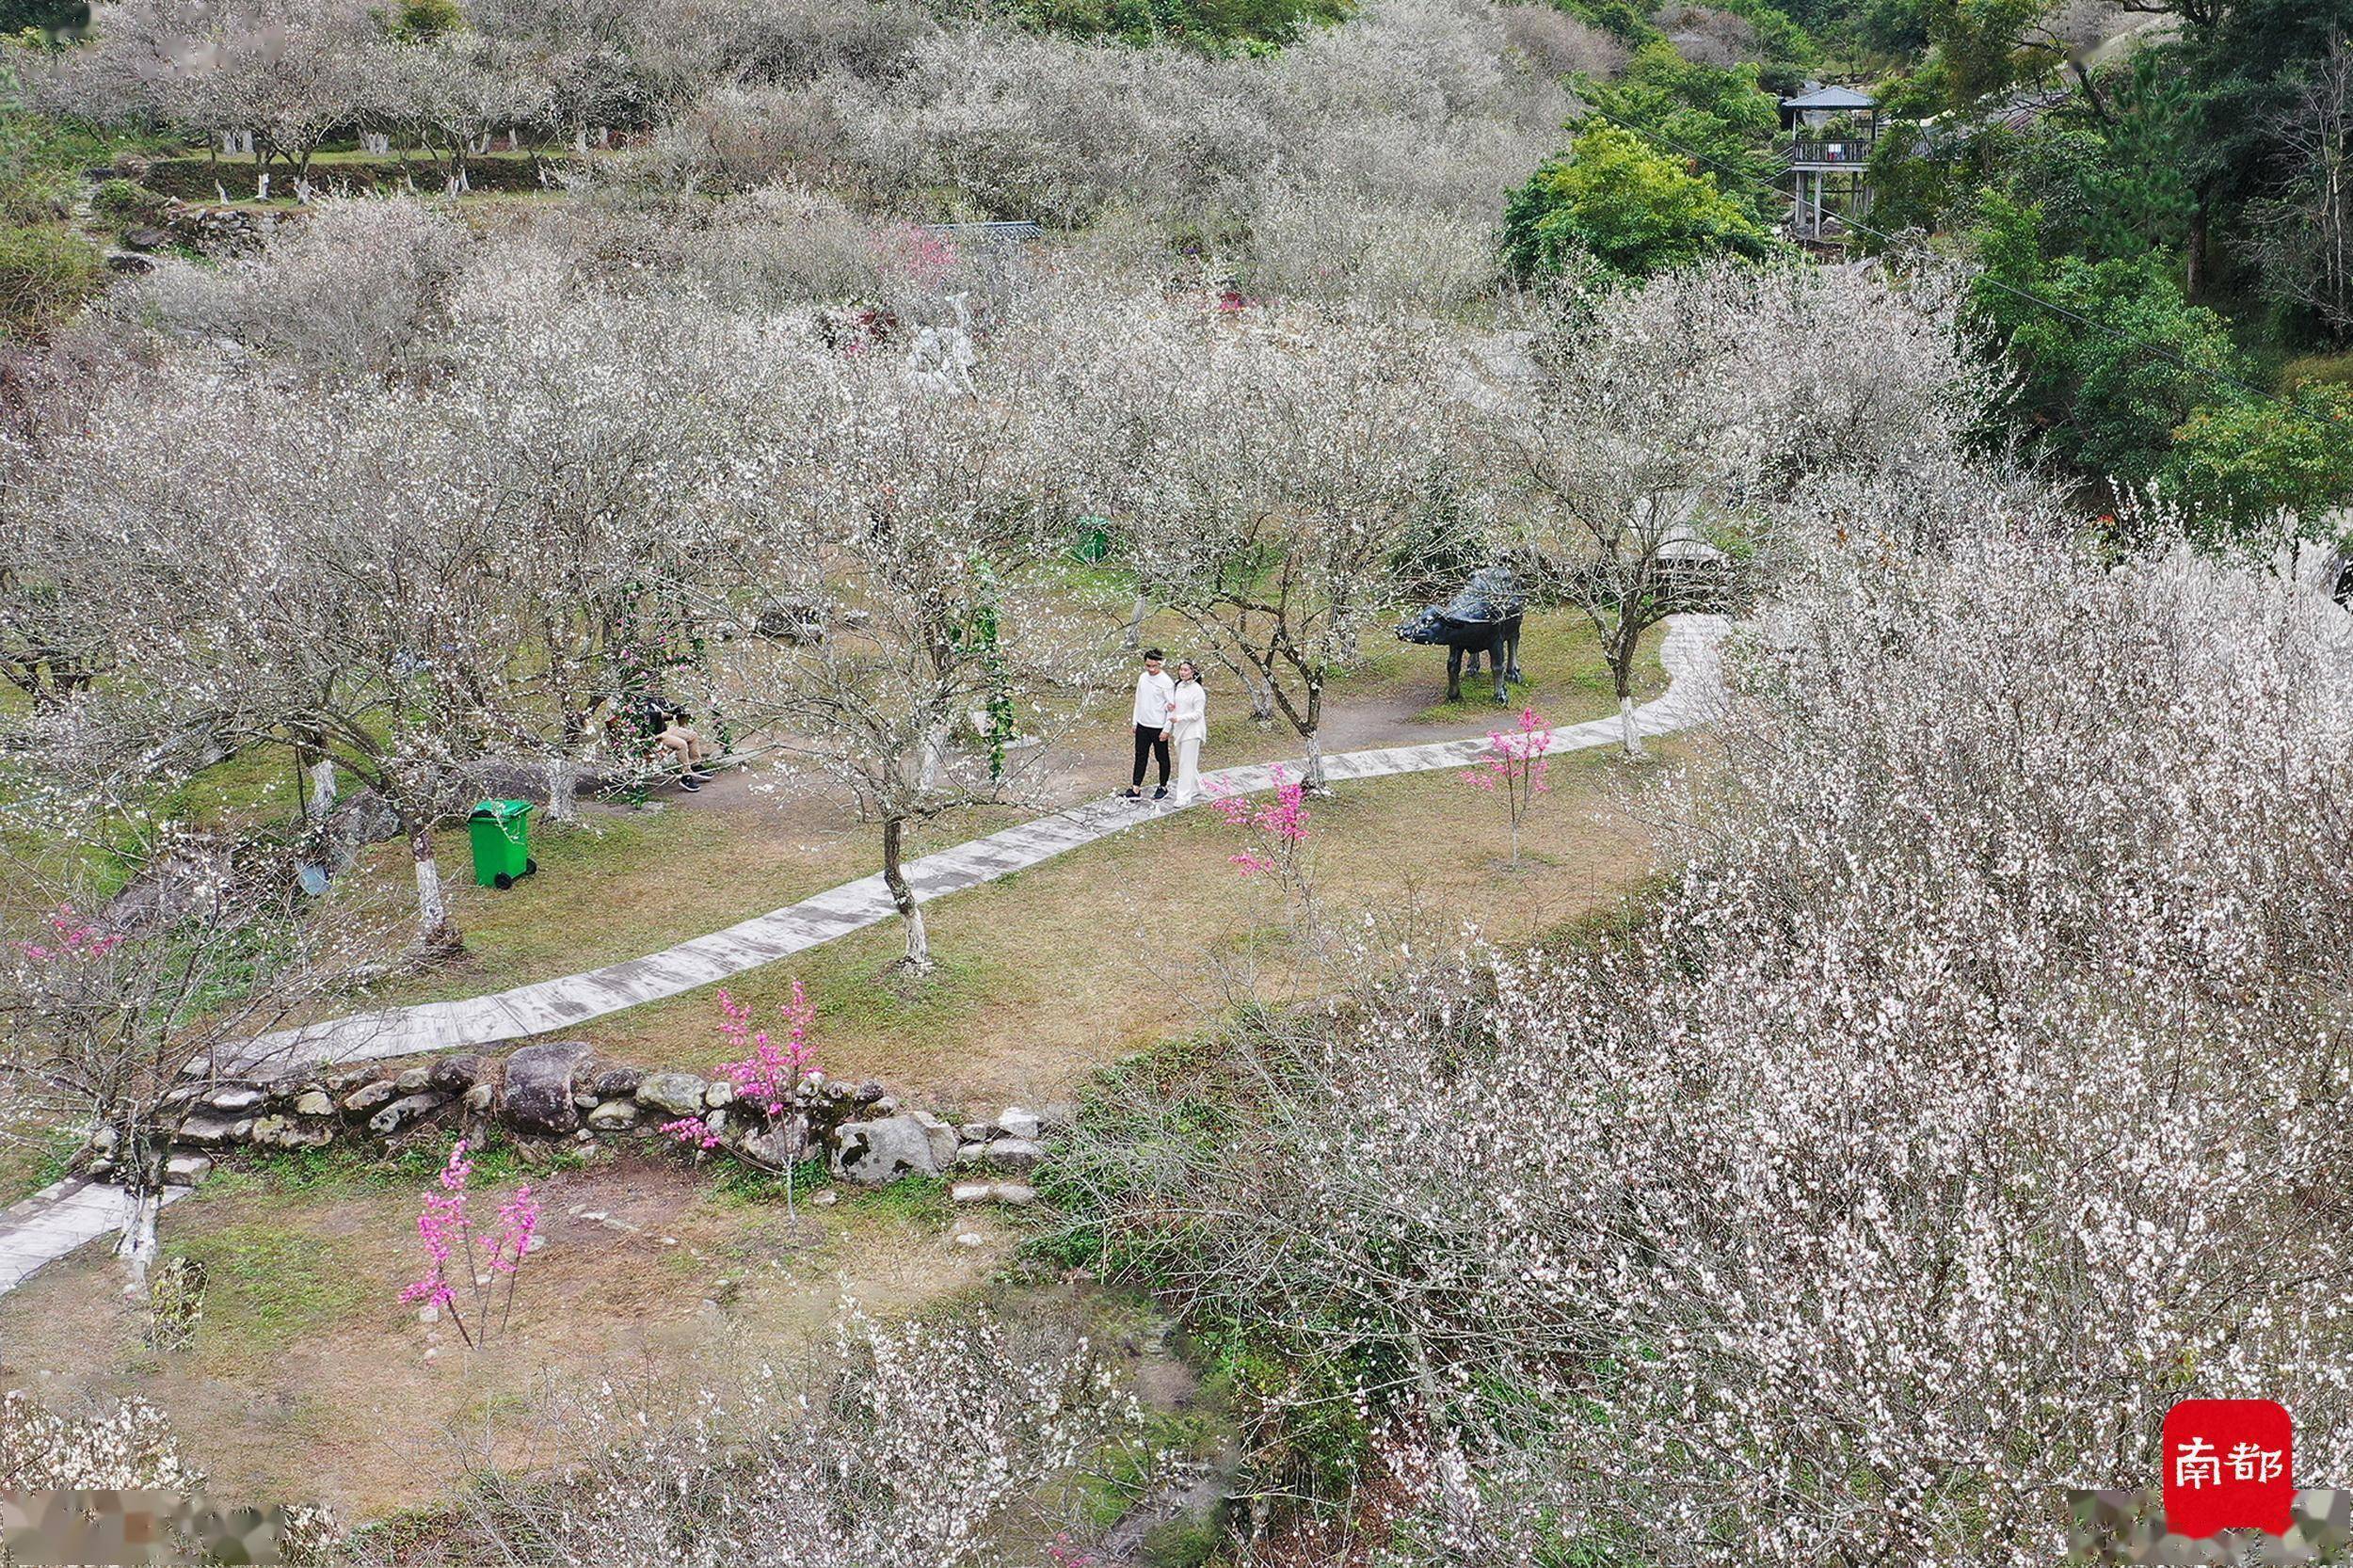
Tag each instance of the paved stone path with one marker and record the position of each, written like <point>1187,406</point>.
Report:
<point>57,1219</point>
<point>549,1006</point>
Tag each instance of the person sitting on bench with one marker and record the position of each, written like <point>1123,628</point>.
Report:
<point>679,739</point>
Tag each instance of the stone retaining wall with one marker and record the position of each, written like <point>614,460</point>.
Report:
<point>563,1092</point>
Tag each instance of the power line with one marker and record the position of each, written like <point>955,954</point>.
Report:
<point>2221,377</point>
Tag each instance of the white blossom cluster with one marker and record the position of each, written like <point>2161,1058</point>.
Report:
<point>920,1445</point>
<point>1975,1089</point>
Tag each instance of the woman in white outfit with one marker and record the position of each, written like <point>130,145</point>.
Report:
<point>1189,725</point>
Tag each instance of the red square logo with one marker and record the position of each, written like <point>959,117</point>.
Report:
<point>2229,1465</point>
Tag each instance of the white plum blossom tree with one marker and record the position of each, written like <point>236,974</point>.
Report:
<point>1271,473</point>
<point>1935,1130</point>
<point>922,542</point>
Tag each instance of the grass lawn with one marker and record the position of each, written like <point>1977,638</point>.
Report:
<point>634,882</point>
<point>1101,951</point>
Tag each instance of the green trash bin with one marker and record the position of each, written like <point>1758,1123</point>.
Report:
<point>1093,540</point>
<point>501,832</point>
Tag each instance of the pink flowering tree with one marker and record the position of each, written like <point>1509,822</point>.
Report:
<point>461,1256</point>
<point>1512,769</point>
<point>765,1075</point>
<point>1275,840</point>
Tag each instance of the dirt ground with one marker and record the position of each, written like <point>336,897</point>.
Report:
<point>308,1381</point>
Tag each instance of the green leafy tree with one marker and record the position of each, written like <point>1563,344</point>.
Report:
<point>1982,48</point>
<point>2239,465</point>
<point>2124,361</point>
<point>2139,196</point>
<point>1719,114</point>
<point>1635,210</point>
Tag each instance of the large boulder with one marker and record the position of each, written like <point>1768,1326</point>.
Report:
<point>943,1137</point>
<point>617,1083</point>
<point>874,1153</point>
<point>676,1094</point>
<point>285,1132</point>
<point>773,1146</point>
<point>613,1116</point>
<point>213,1131</point>
<point>541,1082</point>
<point>1016,1154</point>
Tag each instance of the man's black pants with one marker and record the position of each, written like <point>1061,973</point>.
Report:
<point>1150,743</point>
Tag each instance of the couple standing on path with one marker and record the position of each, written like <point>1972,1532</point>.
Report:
<point>1169,711</point>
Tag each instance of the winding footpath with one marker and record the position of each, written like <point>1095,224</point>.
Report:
<point>58,1219</point>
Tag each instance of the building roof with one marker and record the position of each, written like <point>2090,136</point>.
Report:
<point>1831,97</point>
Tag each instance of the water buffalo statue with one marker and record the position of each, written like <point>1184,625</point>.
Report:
<point>1483,619</point>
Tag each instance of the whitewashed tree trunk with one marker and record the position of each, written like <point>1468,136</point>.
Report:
<point>139,1245</point>
<point>1135,620</point>
<point>1631,731</point>
<point>322,799</point>
<point>563,791</point>
<point>1315,762</point>
<point>260,187</point>
<point>435,929</point>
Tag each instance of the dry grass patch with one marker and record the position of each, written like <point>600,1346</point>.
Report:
<point>1101,952</point>
<point>308,1381</point>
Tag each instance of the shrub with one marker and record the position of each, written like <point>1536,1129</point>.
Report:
<point>127,202</point>
<point>1562,44</point>
<point>1634,211</point>
<point>45,275</point>
<point>2239,466</point>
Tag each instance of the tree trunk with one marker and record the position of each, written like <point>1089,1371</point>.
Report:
<point>2194,255</point>
<point>1628,730</point>
<point>563,791</point>
<point>1135,620</point>
<point>142,1170</point>
<point>1312,733</point>
<point>322,799</point>
<point>903,898</point>
<point>436,931</point>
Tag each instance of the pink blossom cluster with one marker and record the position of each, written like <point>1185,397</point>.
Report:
<point>768,1071</point>
<point>926,256</point>
<point>443,1227</point>
<point>690,1130</point>
<point>76,939</point>
<point>446,1227</point>
<point>1283,822</point>
<point>1514,757</point>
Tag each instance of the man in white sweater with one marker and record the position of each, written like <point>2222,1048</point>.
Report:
<point>1152,689</point>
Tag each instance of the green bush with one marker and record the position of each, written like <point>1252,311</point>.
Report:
<point>2240,464</point>
<point>1634,211</point>
<point>45,274</point>
<point>126,202</point>
<point>2317,370</point>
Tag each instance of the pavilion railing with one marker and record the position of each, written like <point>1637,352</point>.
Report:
<point>1833,154</point>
